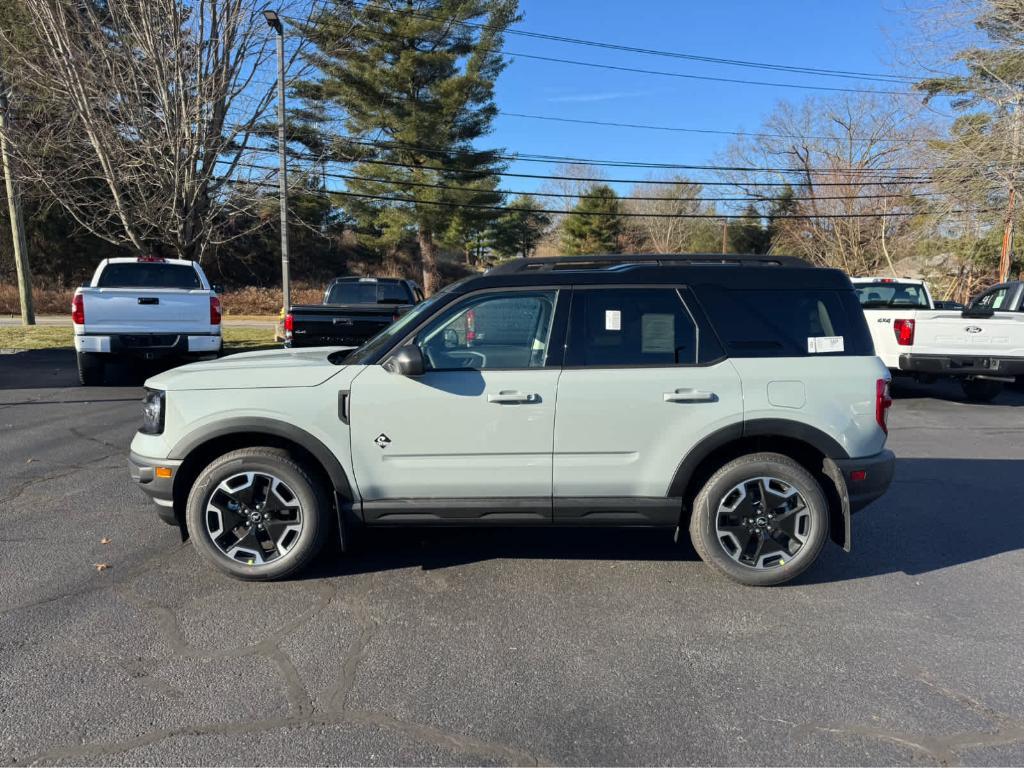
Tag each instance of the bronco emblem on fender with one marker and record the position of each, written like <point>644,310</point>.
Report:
<point>383,440</point>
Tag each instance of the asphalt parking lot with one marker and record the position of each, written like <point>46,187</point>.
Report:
<point>496,647</point>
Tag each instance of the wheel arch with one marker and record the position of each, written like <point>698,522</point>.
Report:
<point>197,449</point>
<point>810,447</point>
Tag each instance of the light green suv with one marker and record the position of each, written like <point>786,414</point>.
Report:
<point>738,397</point>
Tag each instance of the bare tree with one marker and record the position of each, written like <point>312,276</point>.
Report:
<point>850,175</point>
<point>156,107</point>
<point>661,217</point>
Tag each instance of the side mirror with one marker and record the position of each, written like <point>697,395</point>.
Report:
<point>451,338</point>
<point>407,361</point>
<point>217,288</point>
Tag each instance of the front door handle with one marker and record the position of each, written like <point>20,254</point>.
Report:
<point>509,397</point>
<point>690,396</point>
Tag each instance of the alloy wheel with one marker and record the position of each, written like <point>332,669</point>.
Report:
<point>253,517</point>
<point>762,522</point>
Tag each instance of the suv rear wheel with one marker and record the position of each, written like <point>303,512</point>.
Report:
<point>257,514</point>
<point>761,519</point>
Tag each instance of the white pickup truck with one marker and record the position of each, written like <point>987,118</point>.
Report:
<point>982,345</point>
<point>146,308</point>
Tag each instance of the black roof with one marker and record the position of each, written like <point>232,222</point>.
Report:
<point>732,271</point>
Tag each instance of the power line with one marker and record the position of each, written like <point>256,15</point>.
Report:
<point>583,196</point>
<point>718,217</point>
<point>795,69</point>
<point>863,182</point>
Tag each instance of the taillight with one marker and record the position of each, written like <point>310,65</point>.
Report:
<point>78,310</point>
<point>883,401</point>
<point>470,325</point>
<point>289,325</point>
<point>214,310</point>
<point>904,330</point>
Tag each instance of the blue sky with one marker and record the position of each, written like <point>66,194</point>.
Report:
<point>836,34</point>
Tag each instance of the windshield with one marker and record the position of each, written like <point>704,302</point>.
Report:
<point>144,274</point>
<point>385,338</point>
<point>903,295</point>
<point>369,292</point>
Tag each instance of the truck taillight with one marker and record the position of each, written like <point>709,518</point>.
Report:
<point>289,325</point>
<point>470,326</point>
<point>214,310</point>
<point>78,310</point>
<point>904,330</point>
<point>883,401</point>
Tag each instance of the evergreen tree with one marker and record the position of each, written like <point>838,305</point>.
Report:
<point>747,235</point>
<point>518,231</point>
<point>415,82</point>
<point>595,223</point>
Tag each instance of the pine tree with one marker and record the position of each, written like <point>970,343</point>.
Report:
<point>415,82</point>
<point>595,223</point>
<point>518,231</point>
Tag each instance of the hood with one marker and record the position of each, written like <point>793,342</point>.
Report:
<point>306,367</point>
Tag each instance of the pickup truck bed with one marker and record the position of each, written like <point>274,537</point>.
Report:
<point>982,345</point>
<point>144,308</point>
<point>354,310</point>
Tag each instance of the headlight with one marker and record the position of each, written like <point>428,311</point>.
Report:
<point>153,412</point>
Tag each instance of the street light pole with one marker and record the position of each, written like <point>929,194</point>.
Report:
<point>274,22</point>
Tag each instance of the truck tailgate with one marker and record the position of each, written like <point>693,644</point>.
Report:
<point>940,333</point>
<point>147,310</point>
<point>327,324</point>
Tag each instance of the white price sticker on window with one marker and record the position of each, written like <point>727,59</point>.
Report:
<point>612,320</point>
<point>819,345</point>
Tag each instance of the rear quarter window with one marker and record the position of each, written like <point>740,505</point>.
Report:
<point>149,275</point>
<point>779,323</point>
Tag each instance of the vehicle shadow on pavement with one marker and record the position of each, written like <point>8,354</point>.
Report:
<point>380,549</point>
<point>939,513</point>
<point>56,368</point>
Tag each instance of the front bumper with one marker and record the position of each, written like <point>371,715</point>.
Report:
<point>962,365</point>
<point>875,475</point>
<point>160,489</point>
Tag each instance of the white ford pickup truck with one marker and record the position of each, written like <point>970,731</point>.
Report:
<point>982,346</point>
<point>146,308</point>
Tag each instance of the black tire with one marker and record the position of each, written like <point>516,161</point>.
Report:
<point>981,390</point>
<point>313,504</point>
<point>712,545</point>
<point>91,369</point>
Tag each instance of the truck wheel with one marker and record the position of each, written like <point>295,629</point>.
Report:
<point>90,369</point>
<point>981,390</point>
<point>258,514</point>
<point>762,519</point>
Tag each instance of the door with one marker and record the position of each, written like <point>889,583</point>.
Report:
<point>471,437</point>
<point>639,389</point>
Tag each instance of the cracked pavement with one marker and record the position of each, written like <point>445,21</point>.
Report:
<point>504,647</point>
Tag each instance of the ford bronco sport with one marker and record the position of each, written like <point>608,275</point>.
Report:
<point>737,397</point>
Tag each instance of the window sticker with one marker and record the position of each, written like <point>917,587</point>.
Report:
<point>818,345</point>
<point>657,333</point>
<point>612,320</point>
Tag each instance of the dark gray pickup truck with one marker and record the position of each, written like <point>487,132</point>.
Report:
<point>354,310</point>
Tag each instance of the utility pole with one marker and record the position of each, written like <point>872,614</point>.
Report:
<point>1007,249</point>
<point>28,315</point>
<point>274,22</point>
<point>725,235</point>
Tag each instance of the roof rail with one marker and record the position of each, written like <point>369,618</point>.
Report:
<point>614,260</point>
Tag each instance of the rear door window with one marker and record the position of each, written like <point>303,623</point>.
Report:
<point>611,327</point>
<point>786,323</point>
<point>149,275</point>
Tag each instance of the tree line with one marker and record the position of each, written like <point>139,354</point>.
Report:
<point>147,127</point>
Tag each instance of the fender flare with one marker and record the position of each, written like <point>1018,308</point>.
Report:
<point>796,430</point>
<point>261,425</point>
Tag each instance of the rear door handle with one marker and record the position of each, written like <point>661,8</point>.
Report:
<point>690,396</point>
<point>506,397</point>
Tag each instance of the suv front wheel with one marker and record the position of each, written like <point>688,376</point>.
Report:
<point>761,519</point>
<point>257,514</point>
